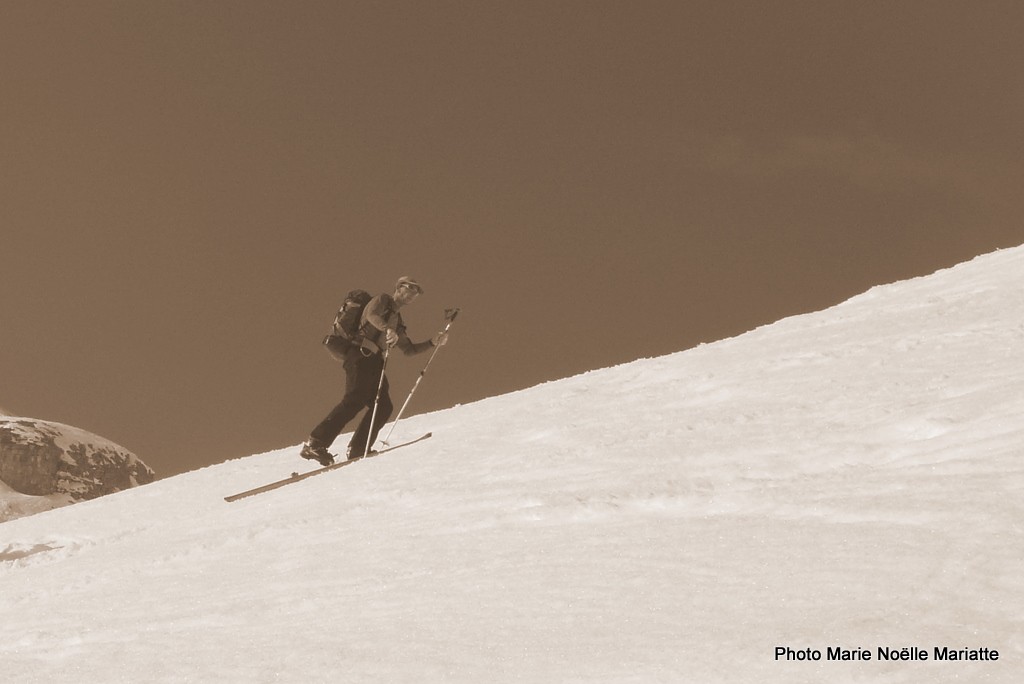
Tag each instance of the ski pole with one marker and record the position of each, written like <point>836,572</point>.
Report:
<point>376,401</point>
<point>449,316</point>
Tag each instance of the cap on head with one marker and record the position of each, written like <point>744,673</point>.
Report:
<point>411,282</point>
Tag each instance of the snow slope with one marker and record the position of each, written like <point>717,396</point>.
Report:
<point>14,504</point>
<point>849,478</point>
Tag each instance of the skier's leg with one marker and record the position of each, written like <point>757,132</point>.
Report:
<point>360,389</point>
<point>364,432</point>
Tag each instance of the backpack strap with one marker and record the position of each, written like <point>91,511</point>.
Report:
<point>369,331</point>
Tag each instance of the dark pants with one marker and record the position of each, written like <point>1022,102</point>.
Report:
<point>362,375</point>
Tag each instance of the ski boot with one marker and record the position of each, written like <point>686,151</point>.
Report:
<point>317,453</point>
<point>356,454</point>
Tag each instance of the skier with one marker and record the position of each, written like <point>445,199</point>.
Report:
<point>381,328</point>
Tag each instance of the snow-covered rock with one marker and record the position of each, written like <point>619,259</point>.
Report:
<point>61,464</point>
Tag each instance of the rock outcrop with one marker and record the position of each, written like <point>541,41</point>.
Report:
<point>42,458</point>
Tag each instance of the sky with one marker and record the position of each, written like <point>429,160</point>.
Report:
<point>189,189</point>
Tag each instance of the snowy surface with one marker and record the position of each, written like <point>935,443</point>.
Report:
<point>14,504</point>
<point>851,478</point>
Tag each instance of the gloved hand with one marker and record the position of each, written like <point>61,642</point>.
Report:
<point>390,337</point>
<point>440,339</point>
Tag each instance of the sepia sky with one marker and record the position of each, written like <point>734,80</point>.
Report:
<point>188,189</point>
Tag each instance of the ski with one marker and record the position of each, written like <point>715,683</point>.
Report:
<point>298,477</point>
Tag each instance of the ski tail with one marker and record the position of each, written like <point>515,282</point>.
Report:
<point>296,477</point>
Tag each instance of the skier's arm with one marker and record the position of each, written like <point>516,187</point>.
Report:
<point>411,348</point>
<point>377,309</point>
<point>381,316</point>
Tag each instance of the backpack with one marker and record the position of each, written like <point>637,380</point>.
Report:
<point>345,332</point>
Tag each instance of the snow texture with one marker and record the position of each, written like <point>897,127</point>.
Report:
<point>850,478</point>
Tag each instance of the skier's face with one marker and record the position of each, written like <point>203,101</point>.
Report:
<point>405,294</point>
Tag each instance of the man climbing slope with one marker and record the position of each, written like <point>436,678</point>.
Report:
<point>381,329</point>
